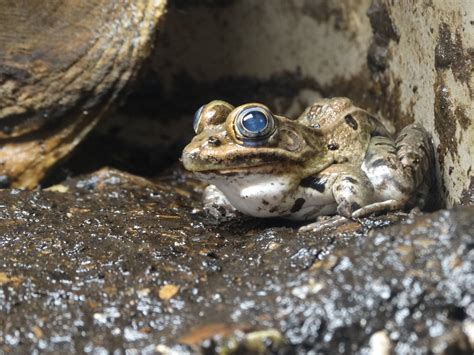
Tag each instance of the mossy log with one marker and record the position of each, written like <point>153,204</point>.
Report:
<point>62,65</point>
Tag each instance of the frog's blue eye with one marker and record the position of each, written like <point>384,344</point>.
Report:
<point>196,118</point>
<point>254,123</point>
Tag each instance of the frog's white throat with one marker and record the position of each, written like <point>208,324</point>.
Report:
<point>259,195</point>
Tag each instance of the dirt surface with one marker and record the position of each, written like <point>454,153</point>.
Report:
<point>111,262</point>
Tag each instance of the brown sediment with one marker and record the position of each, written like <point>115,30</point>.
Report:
<point>444,119</point>
<point>450,54</point>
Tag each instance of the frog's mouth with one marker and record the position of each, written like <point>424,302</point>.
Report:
<point>239,160</point>
<point>246,170</point>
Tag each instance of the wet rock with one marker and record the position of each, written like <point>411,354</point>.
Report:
<point>113,262</point>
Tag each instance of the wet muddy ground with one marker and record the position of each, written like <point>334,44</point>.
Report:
<point>110,262</point>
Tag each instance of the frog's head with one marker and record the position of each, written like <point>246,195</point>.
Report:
<point>248,139</point>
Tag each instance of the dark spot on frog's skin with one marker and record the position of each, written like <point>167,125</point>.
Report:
<point>377,134</point>
<point>387,144</point>
<point>314,182</point>
<point>379,162</point>
<point>299,202</point>
<point>401,137</point>
<point>273,209</point>
<point>424,148</point>
<point>351,180</point>
<point>351,122</point>
<point>333,146</point>
<point>314,112</point>
<point>355,206</point>
<point>4,181</point>
<point>265,202</point>
<point>213,141</point>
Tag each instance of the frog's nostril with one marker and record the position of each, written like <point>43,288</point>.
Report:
<point>214,141</point>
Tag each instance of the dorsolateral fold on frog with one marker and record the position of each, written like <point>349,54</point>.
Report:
<point>335,158</point>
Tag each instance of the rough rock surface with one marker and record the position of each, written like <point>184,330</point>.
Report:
<point>110,262</point>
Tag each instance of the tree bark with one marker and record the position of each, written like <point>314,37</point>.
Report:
<point>62,64</point>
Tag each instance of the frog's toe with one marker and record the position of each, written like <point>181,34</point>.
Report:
<point>415,211</point>
<point>320,226</point>
<point>346,208</point>
<point>217,205</point>
<point>220,212</point>
<point>384,206</point>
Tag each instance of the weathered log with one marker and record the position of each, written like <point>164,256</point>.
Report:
<point>62,64</point>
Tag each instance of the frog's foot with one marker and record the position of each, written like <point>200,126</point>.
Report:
<point>415,211</point>
<point>336,221</point>
<point>217,205</point>
<point>319,226</point>
<point>384,206</point>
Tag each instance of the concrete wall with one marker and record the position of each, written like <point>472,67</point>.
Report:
<point>435,56</point>
<point>404,60</point>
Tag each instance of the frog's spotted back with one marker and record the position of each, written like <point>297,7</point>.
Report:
<point>325,112</point>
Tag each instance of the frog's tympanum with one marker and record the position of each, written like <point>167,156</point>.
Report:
<point>334,159</point>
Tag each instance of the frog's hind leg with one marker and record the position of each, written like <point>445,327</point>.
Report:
<point>398,169</point>
<point>416,154</point>
<point>415,151</point>
<point>387,205</point>
<point>316,227</point>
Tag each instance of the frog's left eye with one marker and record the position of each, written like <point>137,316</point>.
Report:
<point>196,119</point>
<point>253,124</point>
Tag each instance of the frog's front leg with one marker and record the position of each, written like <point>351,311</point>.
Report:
<point>216,204</point>
<point>351,190</point>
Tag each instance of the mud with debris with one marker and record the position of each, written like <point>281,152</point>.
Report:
<point>111,261</point>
